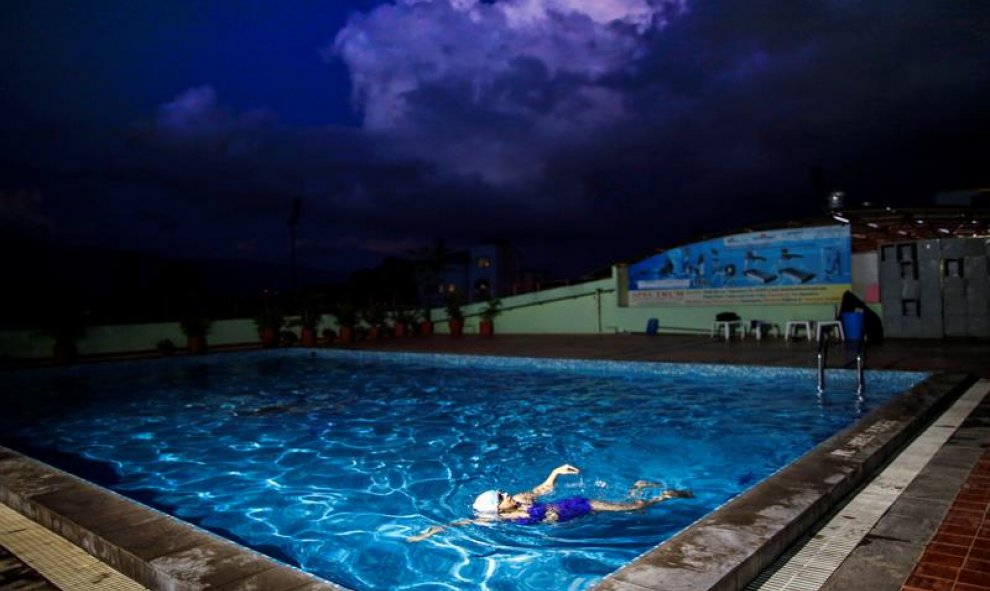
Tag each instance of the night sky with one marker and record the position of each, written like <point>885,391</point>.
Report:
<point>583,132</point>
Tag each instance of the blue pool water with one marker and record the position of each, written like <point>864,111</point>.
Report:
<point>329,460</point>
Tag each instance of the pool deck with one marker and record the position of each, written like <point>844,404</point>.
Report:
<point>932,538</point>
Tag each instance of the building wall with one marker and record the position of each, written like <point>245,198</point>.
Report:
<point>502,271</point>
<point>866,276</point>
<point>936,288</point>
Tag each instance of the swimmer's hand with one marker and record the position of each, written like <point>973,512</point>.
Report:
<point>547,486</point>
<point>430,531</point>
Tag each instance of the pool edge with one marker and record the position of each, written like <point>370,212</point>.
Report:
<point>728,548</point>
<point>157,550</point>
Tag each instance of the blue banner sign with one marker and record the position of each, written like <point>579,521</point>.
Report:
<point>789,266</point>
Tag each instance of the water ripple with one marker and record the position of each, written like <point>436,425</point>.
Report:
<point>331,461</point>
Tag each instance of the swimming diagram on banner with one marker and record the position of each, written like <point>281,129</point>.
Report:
<point>789,266</point>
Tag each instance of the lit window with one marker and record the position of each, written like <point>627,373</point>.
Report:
<point>484,263</point>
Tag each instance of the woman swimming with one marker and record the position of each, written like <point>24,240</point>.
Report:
<point>524,509</point>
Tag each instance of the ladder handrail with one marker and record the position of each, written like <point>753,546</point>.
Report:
<point>822,361</point>
<point>860,365</point>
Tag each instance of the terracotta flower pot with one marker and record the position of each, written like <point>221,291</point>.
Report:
<point>196,345</point>
<point>456,327</point>
<point>269,337</point>
<point>486,328</point>
<point>399,330</point>
<point>346,335</point>
<point>307,337</point>
<point>426,328</point>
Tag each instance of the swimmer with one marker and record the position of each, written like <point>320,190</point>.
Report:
<point>524,508</point>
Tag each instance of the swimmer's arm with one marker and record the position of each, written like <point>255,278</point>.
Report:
<point>435,529</point>
<point>546,487</point>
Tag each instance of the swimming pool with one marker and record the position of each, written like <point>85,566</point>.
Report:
<point>330,460</point>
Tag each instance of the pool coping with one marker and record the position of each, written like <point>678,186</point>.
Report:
<point>155,549</point>
<point>722,551</point>
<point>727,549</point>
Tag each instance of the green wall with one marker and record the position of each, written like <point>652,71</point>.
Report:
<point>563,310</point>
<point>586,308</point>
<point>575,310</point>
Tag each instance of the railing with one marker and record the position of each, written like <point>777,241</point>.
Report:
<point>822,360</point>
<point>860,365</point>
<point>597,293</point>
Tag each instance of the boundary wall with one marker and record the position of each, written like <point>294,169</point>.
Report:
<point>586,308</point>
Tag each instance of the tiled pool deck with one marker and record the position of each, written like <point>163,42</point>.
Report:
<point>958,556</point>
<point>945,504</point>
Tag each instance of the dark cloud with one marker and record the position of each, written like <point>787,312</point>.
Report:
<point>636,127</point>
<point>584,132</point>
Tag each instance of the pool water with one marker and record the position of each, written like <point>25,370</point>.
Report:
<point>329,460</point>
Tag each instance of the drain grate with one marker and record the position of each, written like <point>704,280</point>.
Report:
<point>64,564</point>
<point>809,565</point>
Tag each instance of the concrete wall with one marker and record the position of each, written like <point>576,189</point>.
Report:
<point>866,276</point>
<point>593,307</point>
<point>573,309</point>
<point>587,308</point>
<point>936,288</point>
<point>129,338</point>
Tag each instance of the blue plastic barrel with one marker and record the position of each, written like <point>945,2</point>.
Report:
<point>652,325</point>
<point>852,325</point>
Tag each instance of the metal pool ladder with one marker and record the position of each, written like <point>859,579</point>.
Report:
<point>860,364</point>
<point>823,362</point>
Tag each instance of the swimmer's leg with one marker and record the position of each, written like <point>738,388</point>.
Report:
<point>609,506</point>
<point>641,503</point>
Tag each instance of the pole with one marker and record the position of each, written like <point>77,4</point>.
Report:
<point>293,220</point>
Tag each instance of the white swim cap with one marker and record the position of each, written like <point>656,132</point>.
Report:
<point>486,503</point>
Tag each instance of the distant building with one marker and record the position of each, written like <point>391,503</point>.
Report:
<point>479,273</point>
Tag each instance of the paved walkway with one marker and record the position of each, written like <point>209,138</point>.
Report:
<point>943,566</point>
<point>958,556</point>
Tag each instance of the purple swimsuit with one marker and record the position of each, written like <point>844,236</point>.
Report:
<point>566,510</point>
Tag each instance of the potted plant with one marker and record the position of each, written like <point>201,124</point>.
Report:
<point>308,321</point>
<point>374,317</point>
<point>195,325</point>
<point>346,316</point>
<point>66,329</point>
<point>425,326</point>
<point>269,322</point>
<point>455,316</point>
<point>402,322</point>
<point>487,325</point>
